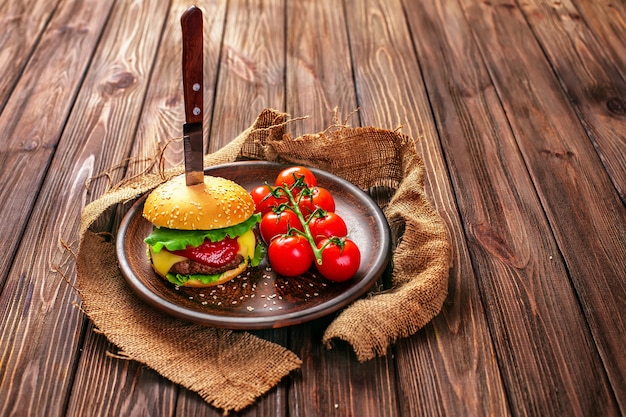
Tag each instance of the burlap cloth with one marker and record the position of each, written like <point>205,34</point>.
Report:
<point>230,369</point>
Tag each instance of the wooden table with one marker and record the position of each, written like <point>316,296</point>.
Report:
<point>519,109</point>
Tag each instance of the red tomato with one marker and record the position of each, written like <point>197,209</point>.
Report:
<point>291,255</point>
<point>289,176</point>
<point>330,225</point>
<point>264,200</point>
<point>318,197</point>
<point>276,224</point>
<point>340,262</point>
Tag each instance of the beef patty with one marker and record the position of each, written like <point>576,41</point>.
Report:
<point>189,267</point>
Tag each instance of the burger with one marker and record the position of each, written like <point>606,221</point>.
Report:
<point>203,234</point>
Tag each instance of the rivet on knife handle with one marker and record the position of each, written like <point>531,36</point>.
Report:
<point>193,89</point>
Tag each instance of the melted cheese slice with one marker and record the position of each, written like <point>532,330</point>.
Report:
<point>164,260</point>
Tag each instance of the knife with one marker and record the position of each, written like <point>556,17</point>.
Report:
<point>191,24</point>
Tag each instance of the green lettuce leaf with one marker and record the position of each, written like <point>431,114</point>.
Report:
<point>179,279</point>
<point>259,254</point>
<point>172,239</point>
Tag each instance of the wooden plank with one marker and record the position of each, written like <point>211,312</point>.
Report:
<point>22,24</point>
<point>333,382</point>
<point>584,211</point>
<point>589,76</point>
<point>46,326</point>
<point>50,80</point>
<point>252,67</point>
<point>448,367</point>
<point>607,19</point>
<point>506,228</point>
<point>52,77</point>
<point>319,71</point>
<point>108,385</point>
<point>319,78</point>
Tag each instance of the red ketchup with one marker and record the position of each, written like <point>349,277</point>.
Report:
<point>213,254</point>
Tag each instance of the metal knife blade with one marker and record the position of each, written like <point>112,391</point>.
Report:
<point>193,89</point>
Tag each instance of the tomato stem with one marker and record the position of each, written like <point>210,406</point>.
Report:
<point>295,207</point>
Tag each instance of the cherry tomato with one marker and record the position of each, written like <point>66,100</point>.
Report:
<point>264,200</point>
<point>329,225</point>
<point>276,224</point>
<point>290,255</point>
<point>318,197</point>
<point>340,260</point>
<point>289,176</point>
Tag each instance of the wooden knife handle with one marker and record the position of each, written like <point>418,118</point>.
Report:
<point>193,58</point>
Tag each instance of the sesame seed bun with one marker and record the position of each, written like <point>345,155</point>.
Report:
<point>215,204</point>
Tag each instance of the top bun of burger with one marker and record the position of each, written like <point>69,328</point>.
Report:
<point>215,204</point>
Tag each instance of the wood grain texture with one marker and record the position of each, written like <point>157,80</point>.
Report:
<point>193,63</point>
<point>582,207</point>
<point>27,137</point>
<point>32,304</point>
<point>42,302</point>
<point>589,76</point>
<point>22,25</point>
<point>161,120</point>
<point>432,378</point>
<point>344,386</point>
<point>607,20</point>
<point>502,215</point>
<point>139,390</point>
<point>319,68</point>
<point>252,67</point>
<point>102,129</point>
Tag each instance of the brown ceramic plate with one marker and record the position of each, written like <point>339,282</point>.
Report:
<point>260,298</point>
